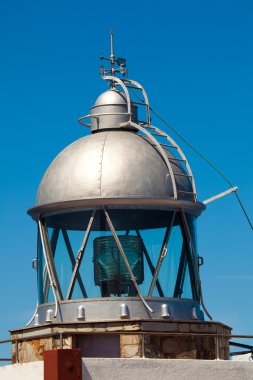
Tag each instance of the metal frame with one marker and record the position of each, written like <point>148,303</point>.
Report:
<point>120,248</point>
<point>190,258</point>
<point>162,152</point>
<point>78,205</point>
<point>80,255</point>
<point>73,262</point>
<point>181,274</point>
<point>124,83</point>
<point>183,158</point>
<point>163,253</point>
<point>95,116</point>
<point>139,87</point>
<point>196,264</point>
<point>150,264</point>
<point>53,244</point>
<point>49,264</point>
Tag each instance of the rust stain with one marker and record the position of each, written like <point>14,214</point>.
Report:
<point>38,347</point>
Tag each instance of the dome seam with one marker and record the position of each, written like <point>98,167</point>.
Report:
<point>101,164</point>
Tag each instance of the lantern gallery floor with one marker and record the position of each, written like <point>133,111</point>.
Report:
<point>125,339</point>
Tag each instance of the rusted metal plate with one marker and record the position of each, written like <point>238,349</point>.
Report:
<point>63,364</point>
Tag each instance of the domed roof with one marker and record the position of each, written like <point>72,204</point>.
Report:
<point>110,164</point>
<point>112,96</point>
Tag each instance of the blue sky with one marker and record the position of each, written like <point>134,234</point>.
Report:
<point>195,60</point>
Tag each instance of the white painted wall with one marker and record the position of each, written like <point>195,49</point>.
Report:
<point>142,369</point>
<point>29,371</point>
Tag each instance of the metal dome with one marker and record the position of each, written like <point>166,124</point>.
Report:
<point>109,164</point>
<point>112,96</point>
<point>110,110</point>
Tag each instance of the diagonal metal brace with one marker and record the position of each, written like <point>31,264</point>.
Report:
<point>120,248</point>
<point>73,262</point>
<point>150,264</point>
<point>163,253</point>
<point>80,255</point>
<point>196,264</point>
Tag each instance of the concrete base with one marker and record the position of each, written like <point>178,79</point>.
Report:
<point>141,369</point>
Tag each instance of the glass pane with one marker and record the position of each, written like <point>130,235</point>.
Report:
<point>169,268</point>
<point>102,271</point>
<point>45,293</point>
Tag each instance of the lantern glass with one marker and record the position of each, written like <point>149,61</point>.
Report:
<point>102,271</point>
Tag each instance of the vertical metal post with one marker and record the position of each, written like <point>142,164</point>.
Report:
<point>49,256</point>
<point>120,248</point>
<point>196,263</point>
<point>217,348</point>
<point>50,275</point>
<point>16,351</point>
<point>143,346</point>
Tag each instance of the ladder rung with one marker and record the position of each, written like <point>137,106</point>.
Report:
<point>135,88</point>
<point>183,175</point>
<point>140,103</point>
<point>168,146</point>
<point>176,159</point>
<point>186,192</point>
<point>149,127</point>
<point>158,134</point>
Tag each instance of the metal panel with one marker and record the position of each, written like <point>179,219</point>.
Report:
<point>108,309</point>
<point>149,203</point>
<point>109,164</point>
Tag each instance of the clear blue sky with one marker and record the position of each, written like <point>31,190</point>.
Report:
<point>195,59</point>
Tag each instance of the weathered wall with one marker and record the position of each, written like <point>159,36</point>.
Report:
<point>125,339</point>
<point>141,369</point>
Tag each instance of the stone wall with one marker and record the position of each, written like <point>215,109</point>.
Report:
<point>136,339</point>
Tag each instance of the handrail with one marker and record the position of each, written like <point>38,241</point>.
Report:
<point>2,342</point>
<point>143,333</point>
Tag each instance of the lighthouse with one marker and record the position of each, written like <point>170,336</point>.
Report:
<point>118,270</point>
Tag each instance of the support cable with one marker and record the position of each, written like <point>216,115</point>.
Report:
<point>199,154</point>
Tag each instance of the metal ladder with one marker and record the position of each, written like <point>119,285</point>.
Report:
<point>169,143</point>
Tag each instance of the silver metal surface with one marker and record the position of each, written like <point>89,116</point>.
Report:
<point>45,253</point>
<point>229,191</point>
<point>110,110</point>
<point>35,264</point>
<point>124,311</point>
<point>49,259</point>
<point>81,312</point>
<point>49,315</point>
<point>165,312</point>
<point>36,320</point>
<point>149,203</point>
<point>136,85</point>
<point>183,158</point>
<point>194,313</point>
<point>163,154</point>
<point>112,164</point>
<point>108,309</point>
<point>33,316</point>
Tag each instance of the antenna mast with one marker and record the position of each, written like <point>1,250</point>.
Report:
<point>120,62</point>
